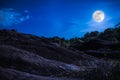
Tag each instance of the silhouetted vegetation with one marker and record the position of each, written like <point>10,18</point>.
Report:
<point>96,56</point>
<point>110,34</point>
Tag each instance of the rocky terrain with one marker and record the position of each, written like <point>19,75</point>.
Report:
<point>29,57</point>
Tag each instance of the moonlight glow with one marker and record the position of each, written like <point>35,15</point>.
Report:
<point>98,16</point>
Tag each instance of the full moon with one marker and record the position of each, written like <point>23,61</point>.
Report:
<point>98,16</point>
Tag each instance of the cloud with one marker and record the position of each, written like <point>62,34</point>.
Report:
<point>9,16</point>
<point>99,26</point>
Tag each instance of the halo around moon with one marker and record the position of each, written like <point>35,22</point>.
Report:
<point>98,16</point>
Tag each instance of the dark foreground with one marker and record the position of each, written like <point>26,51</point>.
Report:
<point>28,57</point>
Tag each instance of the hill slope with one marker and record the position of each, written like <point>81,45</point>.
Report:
<point>28,57</point>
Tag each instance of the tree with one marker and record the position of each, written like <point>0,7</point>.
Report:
<point>93,35</point>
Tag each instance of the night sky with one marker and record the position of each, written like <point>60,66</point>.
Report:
<point>63,18</point>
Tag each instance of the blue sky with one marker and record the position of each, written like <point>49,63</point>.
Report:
<point>63,18</point>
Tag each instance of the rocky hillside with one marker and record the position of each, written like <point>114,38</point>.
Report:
<point>29,57</point>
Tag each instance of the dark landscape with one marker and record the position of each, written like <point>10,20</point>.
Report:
<point>96,56</point>
<point>59,39</point>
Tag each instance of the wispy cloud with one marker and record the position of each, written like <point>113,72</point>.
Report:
<point>95,26</point>
<point>9,16</point>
